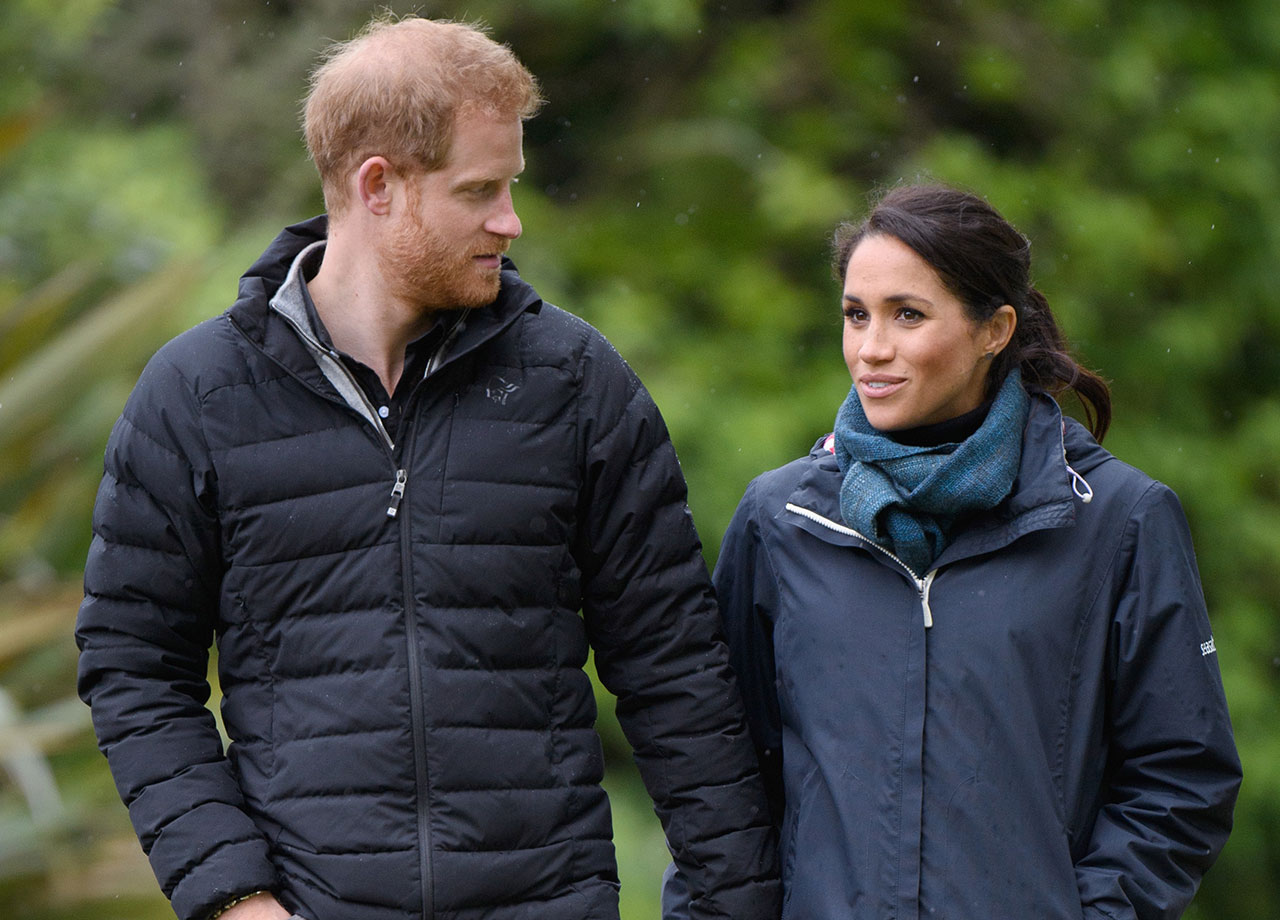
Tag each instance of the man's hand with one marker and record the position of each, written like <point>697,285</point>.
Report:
<point>259,907</point>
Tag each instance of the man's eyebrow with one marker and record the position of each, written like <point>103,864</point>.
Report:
<point>480,180</point>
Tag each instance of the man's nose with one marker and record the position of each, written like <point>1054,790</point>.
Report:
<point>504,221</point>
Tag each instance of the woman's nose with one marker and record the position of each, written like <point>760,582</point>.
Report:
<point>876,346</point>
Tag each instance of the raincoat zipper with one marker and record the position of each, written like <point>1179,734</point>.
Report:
<point>923,585</point>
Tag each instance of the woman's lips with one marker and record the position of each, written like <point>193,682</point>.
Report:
<point>875,387</point>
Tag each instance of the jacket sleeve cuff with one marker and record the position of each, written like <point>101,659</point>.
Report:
<point>675,895</point>
<point>223,876</point>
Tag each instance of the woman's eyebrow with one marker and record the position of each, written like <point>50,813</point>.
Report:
<point>894,298</point>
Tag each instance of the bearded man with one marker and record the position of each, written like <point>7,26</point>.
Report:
<point>406,496</point>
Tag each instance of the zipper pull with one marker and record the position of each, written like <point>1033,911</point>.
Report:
<point>925,585</point>
<point>397,492</point>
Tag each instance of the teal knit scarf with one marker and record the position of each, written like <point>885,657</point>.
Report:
<point>908,499</point>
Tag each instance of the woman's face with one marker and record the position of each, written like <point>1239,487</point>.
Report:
<point>913,352</point>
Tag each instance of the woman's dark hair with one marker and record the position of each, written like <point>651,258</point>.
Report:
<point>985,263</point>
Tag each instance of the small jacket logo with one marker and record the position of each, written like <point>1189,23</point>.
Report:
<point>1208,648</point>
<point>498,390</point>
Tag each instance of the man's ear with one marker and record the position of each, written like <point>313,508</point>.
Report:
<point>374,181</point>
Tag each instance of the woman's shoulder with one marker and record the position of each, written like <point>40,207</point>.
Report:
<point>1113,482</point>
<point>821,455</point>
<point>813,477</point>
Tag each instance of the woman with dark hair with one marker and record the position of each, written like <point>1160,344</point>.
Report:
<point>973,644</point>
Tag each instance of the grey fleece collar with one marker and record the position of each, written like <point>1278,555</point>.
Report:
<point>290,302</point>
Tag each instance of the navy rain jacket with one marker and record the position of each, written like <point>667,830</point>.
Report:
<point>412,727</point>
<point>1036,728</point>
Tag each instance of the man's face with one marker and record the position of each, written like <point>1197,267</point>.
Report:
<point>445,247</point>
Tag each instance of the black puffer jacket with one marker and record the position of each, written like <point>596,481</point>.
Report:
<point>413,730</point>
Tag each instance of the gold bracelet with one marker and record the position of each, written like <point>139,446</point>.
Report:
<point>232,903</point>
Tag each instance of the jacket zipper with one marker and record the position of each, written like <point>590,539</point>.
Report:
<point>450,334</point>
<point>417,707</point>
<point>417,701</point>
<point>397,492</point>
<point>416,696</point>
<point>371,413</point>
<point>923,585</point>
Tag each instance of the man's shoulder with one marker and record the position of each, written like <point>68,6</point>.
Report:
<point>203,358</point>
<point>553,335</point>
<point>561,329</point>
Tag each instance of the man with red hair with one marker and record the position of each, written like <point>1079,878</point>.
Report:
<point>407,497</point>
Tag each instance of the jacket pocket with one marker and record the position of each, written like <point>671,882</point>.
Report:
<point>798,808</point>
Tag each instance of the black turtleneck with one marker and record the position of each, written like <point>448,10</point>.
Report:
<point>952,431</point>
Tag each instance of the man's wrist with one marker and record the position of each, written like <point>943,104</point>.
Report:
<point>234,901</point>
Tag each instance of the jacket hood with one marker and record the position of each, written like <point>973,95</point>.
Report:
<point>264,276</point>
<point>1083,452</point>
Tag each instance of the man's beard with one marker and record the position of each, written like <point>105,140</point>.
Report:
<point>429,271</point>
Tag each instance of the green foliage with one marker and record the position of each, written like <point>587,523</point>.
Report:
<point>683,179</point>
